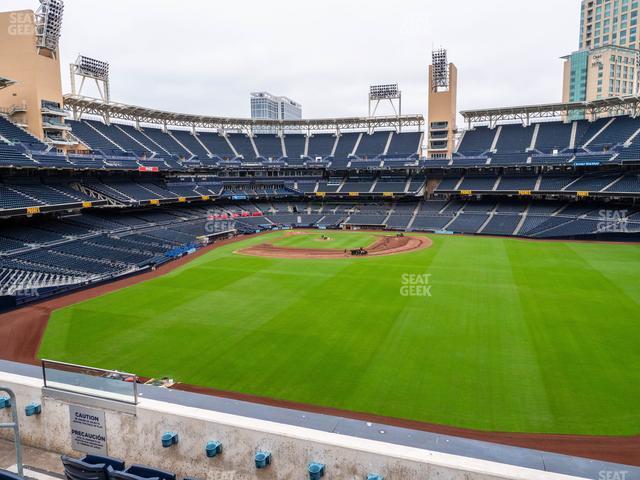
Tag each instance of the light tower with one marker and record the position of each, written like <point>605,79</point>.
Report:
<point>443,92</point>
<point>87,68</point>
<point>48,23</point>
<point>385,93</point>
<point>29,55</point>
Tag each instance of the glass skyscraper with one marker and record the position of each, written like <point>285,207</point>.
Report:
<point>607,63</point>
<point>609,23</point>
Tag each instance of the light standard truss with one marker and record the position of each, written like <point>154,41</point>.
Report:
<point>525,113</point>
<point>87,68</point>
<point>48,23</point>
<point>141,115</point>
<point>385,93</point>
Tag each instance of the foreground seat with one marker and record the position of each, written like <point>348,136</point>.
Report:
<point>91,467</point>
<point>5,475</point>
<point>140,472</point>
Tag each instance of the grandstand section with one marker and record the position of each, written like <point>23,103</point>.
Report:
<point>315,297</point>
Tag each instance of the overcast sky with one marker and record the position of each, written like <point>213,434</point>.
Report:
<point>205,56</point>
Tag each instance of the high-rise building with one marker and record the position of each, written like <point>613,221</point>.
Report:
<point>609,23</point>
<point>265,106</point>
<point>608,61</point>
<point>599,73</point>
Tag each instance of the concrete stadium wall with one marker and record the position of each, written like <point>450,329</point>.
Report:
<point>136,439</point>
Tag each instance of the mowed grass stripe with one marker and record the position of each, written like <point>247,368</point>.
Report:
<point>585,347</point>
<point>517,335</point>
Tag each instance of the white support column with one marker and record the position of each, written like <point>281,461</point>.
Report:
<point>335,144</point>
<point>253,144</point>
<point>496,138</point>
<point>133,138</point>
<point>534,137</point>
<point>538,182</point>
<point>420,143</point>
<point>155,143</point>
<point>516,232</point>
<point>588,142</point>
<point>283,145</point>
<point>197,137</point>
<point>574,134</point>
<point>226,137</point>
<point>180,143</point>
<point>388,144</point>
<point>355,147</point>
<point>632,138</point>
<point>104,135</point>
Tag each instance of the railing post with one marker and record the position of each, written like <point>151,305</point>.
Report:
<point>16,428</point>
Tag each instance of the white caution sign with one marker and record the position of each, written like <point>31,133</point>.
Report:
<point>88,430</point>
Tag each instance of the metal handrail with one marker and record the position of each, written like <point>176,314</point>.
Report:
<point>16,428</point>
<point>45,362</point>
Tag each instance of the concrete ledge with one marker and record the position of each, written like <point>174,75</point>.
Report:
<point>136,438</point>
<point>88,401</point>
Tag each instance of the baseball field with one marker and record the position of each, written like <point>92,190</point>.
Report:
<point>484,333</point>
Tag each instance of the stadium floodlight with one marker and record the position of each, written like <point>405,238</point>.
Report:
<point>96,71</point>
<point>382,93</point>
<point>93,68</point>
<point>440,76</point>
<point>49,24</point>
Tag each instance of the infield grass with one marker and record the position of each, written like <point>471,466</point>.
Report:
<point>336,241</point>
<point>517,336</point>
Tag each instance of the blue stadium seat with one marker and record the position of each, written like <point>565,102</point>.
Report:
<point>91,467</point>
<point>476,141</point>
<point>321,145</point>
<point>93,139</point>
<point>139,472</point>
<point>346,145</point>
<point>514,138</point>
<point>553,136</point>
<point>404,144</point>
<point>242,145</point>
<point>269,146</point>
<point>373,145</point>
<point>13,134</point>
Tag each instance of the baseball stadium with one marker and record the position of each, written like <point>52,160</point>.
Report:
<point>450,294</point>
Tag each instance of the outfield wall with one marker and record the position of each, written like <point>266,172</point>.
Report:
<point>134,434</point>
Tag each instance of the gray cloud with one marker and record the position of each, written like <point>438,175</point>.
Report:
<point>202,56</point>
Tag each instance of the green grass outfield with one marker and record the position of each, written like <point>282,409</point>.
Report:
<point>516,336</point>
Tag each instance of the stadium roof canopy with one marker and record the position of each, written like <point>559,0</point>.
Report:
<point>81,105</point>
<point>5,82</point>
<point>524,113</point>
